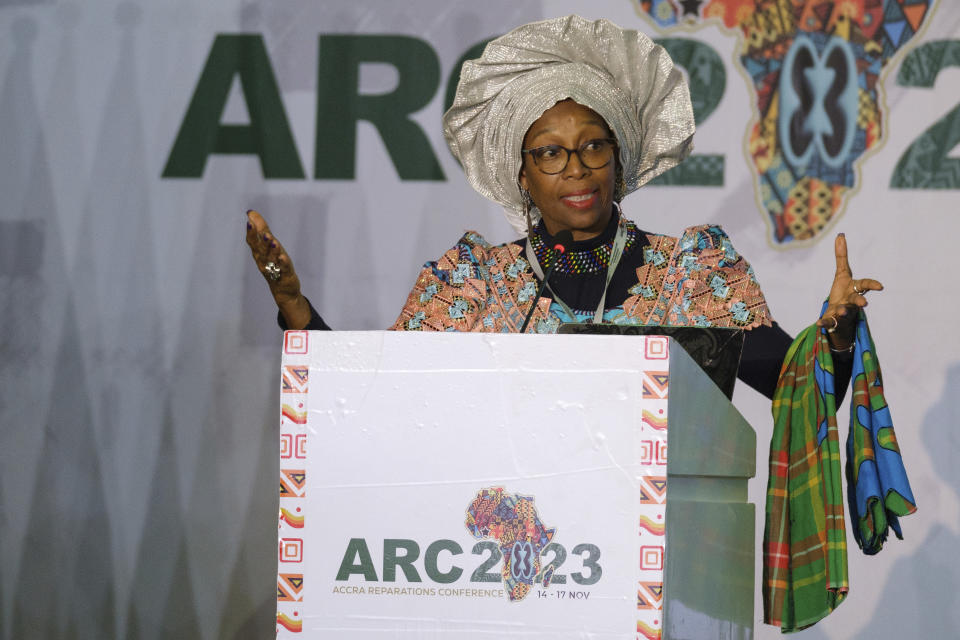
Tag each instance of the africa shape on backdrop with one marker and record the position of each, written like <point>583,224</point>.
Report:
<point>815,68</point>
<point>139,356</point>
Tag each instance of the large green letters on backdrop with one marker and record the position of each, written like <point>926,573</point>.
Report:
<point>340,105</point>
<point>267,136</point>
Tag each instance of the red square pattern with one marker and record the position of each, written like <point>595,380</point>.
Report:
<point>286,445</point>
<point>658,348</point>
<point>653,452</point>
<point>291,550</point>
<point>647,448</point>
<point>295,342</point>
<point>300,448</point>
<point>651,558</point>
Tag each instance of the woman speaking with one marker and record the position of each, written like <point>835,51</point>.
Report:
<point>557,122</point>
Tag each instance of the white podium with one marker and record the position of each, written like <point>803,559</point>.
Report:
<point>488,486</point>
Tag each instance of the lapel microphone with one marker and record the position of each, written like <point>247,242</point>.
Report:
<point>562,240</point>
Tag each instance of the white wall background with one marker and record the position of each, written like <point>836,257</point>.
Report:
<point>139,354</point>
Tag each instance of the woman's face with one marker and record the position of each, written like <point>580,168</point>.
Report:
<point>578,198</point>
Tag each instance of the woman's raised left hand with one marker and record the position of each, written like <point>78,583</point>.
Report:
<point>847,297</point>
<point>277,269</point>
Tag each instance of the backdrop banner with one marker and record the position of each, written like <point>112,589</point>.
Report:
<point>139,345</point>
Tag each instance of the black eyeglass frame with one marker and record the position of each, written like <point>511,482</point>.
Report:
<point>532,152</point>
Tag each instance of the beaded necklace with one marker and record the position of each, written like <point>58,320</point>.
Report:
<point>617,249</point>
<point>583,261</point>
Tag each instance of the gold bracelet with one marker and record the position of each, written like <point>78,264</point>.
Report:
<point>847,349</point>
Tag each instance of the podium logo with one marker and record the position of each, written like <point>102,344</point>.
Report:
<point>508,530</point>
<point>513,523</point>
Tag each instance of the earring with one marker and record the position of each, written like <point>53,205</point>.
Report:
<point>619,185</point>
<point>527,208</point>
<point>528,204</point>
<point>527,198</point>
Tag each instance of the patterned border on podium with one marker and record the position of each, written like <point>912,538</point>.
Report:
<point>653,488</point>
<point>294,393</point>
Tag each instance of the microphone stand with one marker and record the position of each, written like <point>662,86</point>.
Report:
<point>562,239</point>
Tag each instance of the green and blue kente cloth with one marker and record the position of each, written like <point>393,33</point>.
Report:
<point>805,547</point>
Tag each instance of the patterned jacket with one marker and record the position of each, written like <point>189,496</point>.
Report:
<point>695,280</point>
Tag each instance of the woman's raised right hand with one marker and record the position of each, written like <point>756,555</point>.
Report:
<point>277,269</point>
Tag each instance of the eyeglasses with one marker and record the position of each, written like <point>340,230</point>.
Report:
<point>552,158</point>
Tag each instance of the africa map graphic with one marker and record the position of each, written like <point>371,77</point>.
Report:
<point>513,523</point>
<point>815,67</point>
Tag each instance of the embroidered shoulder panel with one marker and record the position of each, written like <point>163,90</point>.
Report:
<point>474,286</point>
<point>696,280</point>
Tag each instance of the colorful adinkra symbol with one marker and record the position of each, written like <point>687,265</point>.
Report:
<point>815,67</point>
<point>513,523</point>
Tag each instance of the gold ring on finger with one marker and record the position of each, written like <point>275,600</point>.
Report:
<point>272,271</point>
<point>836,323</point>
<point>859,291</point>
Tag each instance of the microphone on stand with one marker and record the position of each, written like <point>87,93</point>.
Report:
<point>563,239</point>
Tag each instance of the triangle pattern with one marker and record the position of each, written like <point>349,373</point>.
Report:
<point>35,294</point>
<point>159,556</point>
<point>289,587</point>
<point>655,384</point>
<point>180,615</point>
<point>915,14</point>
<point>292,483</point>
<point>249,610</point>
<point>653,490</point>
<point>823,11</point>
<point>893,11</point>
<point>895,31</point>
<point>650,595</point>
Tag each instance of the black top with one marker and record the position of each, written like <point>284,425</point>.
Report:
<point>764,348</point>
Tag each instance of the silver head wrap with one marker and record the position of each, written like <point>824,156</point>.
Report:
<point>619,73</point>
